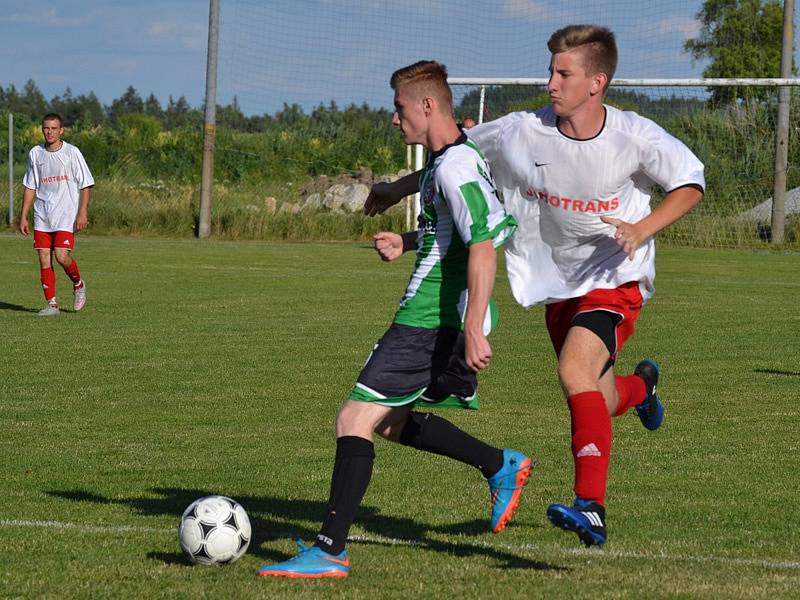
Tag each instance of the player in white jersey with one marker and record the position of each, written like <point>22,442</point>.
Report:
<point>425,357</point>
<point>577,177</point>
<point>57,186</point>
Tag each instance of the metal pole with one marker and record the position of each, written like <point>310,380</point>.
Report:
<point>210,121</point>
<point>782,134</point>
<point>481,104</point>
<point>10,168</point>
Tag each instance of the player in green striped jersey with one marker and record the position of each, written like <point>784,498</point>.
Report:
<point>437,341</point>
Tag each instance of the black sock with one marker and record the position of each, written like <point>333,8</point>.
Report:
<point>425,431</point>
<point>351,474</point>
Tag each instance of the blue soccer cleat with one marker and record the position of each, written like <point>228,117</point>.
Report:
<point>651,411</point>
<point>586,518</point>
<point>506,485</point>
<point>310,563</point>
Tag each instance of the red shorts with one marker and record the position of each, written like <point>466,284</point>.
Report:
<point>48,240</point>
<point>624,303</point>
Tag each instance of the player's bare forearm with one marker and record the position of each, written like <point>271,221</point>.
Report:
<point>630,236</point>
<point>384,195</point>
<point>28,196</point>
<point>675,204</point>
<point>481,270</point>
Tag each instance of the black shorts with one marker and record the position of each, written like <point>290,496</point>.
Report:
<point>410,364</point>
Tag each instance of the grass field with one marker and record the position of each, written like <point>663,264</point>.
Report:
<point>217,367</point>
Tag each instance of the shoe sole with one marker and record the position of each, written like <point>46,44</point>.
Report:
<point>525,469</point>
<point>564,520</point>
<point>294,575</point>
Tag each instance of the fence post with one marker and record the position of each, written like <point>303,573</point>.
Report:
<point>782,133</point>
<point>210,122</point>
<point>10,168</point>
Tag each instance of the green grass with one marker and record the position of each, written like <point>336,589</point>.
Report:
<point>217,367</point>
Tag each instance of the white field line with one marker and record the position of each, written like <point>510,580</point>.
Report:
<point>83,528</point>
<point>591,553</point>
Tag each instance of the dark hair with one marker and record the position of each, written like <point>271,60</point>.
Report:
<point>53,117</point>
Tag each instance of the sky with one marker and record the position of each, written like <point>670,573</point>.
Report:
<point>313,51</point>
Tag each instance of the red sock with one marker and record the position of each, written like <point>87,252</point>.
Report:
<point>48,277</point>
<point>631,391</point>
<point>73,274</point>
<point>591,444</point>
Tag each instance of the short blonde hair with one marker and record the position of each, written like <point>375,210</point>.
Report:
<point>429,78</point>
<point>597,43</point>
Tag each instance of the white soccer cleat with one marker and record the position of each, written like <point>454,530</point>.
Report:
<point>49,311</point>
<point>80,297</point>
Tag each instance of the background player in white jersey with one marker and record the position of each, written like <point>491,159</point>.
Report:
<point>424,357</point>
<point>57,185</point>
<point>577,176</point>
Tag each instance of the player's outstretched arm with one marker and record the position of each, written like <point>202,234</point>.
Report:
<point>384,195</point>
<point>28,196</point>
<point>481,270</point>
<point>677,203</point>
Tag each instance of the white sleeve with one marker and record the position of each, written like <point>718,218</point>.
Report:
<point>487,135</point>
<point>31,178</point>
<point>667,160</point>
<point>80,171</point>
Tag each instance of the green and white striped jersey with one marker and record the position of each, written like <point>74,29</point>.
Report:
<point>459,206</point>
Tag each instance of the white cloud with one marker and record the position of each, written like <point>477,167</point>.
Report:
<point>429,6</point>
<point>189,35</point>
<point>530,10</point>
<point>687,26</point>
<point>46,17</point>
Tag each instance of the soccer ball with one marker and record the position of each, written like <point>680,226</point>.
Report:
<point>214,530</point>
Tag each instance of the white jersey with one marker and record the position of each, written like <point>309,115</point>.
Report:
<point>57,178</point>
<point>557,188</point>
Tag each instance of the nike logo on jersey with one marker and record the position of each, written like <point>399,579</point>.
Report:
<point>538,164</point>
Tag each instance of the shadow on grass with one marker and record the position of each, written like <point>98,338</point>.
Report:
<point>274,518</point>
<point>7,306</point>
<point>778,372</point>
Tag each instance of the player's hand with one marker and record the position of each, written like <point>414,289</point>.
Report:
<point>477,351</point>
<point>389,245</point>
<point>380,197</point>
<point>82,221</point>
<point>629,236</point>
<point>23,226</point>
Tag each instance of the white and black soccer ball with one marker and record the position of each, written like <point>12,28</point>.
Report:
<point>215,530</point>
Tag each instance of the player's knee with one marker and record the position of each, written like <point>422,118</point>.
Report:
<point>358,418</point>
<point>575,377</point>
<point>63,258</point>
